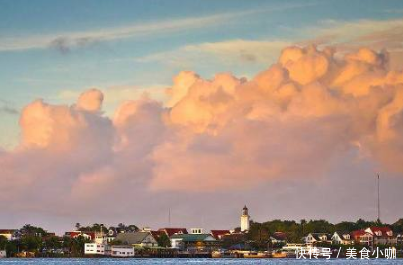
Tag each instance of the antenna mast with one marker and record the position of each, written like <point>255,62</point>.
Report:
<point>169,217</point>
<point>379,204</point>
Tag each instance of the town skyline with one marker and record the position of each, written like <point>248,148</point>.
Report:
<point>177,113</point>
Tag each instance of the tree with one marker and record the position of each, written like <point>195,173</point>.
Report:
<point>78,226</point>
<point>3,242</point>
<point>163,240</point>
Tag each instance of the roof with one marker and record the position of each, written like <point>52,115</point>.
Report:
<point>132,238</point>
<point>194,237</point>
<point>7,231</point>
<point>279,235</point>
<point>317,235</point>
<point>219,233</point>
<point>157,234</point>
<point>74,234</point>
<point>342,234</point>
<point>384,230</point>
<point>358,233</point>
<point>172,231</point>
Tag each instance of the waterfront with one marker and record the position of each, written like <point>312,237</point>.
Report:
<point>193,261</point>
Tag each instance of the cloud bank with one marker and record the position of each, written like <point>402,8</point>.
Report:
<point>291,121</point>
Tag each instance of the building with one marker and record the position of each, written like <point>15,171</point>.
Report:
<point>278,238</point>
<point>197,231</point>
<point>96,249</point>
<point>10,234</point>
<point>362,237</point>
<point>315,238</point>
<point>173,231</point>
<point>194,242</point>
<point>3,254</point>
<point>341,238</point>
<point>219,234</point>
<point>245,220</point>
<point>86,235</point>
<point>382,235</point>
<point>138,239</point>
<point>122,251</point>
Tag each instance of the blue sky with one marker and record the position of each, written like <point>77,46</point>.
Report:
<point>56,49</point>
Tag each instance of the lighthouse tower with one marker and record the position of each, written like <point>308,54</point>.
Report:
<point>245,219</point>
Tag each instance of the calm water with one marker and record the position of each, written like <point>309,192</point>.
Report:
<point>191,261</point>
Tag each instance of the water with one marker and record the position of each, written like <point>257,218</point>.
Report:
<point>127,261</point>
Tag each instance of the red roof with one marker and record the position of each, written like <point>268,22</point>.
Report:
<point>75,234</point>
<point>157,234</point>
<point>217,234</point>
<point>172,231</point>
<point>383,229</point>
<point>357,233</point>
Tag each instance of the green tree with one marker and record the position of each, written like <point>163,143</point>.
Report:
<point>163,240</point>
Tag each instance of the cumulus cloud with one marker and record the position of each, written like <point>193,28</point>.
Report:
<point>293,120</point>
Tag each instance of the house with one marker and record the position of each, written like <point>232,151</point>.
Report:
<point>96,249</point>
<point>3,254</point>
<point>382,235</point>
<point>86,235</point>
<point>122,251</point>
<point>138,239</point>
<point>219,234</point>
<point>173,231</point>
<point>10,234</point>
<point>399,239</point>
<point>194,242</point>
<point>196,231</point>
<point>362,237</point>
<point>111,235</point>
<point>315,238</point>
<point>341,238</point>
<point>278,238</point>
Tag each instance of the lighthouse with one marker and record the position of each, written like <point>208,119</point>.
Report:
<point>245,219</point>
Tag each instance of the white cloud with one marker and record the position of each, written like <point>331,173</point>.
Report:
<point>227,52</point>
<point>64,41</point>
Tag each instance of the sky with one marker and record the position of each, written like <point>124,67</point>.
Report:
<point>117,111</point>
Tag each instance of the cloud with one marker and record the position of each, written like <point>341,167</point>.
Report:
<point>294,121</point>
<point>347,37</point>
<point>66,41</point>
<point>6,108</point>
<point>227,52</point>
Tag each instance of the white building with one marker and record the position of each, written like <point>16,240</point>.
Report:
<point>245,220</point>
<point>196,231</point>
<point>96,249</point>
<point>314,238</point>
<point>8,233</point>
<point>341,238</point>
<point>3,254</point>
<point>122,251</point>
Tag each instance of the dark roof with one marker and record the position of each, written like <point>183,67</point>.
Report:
<point>194,237</point>
<point>317,235</point>
<point>8,231</point>
<point>132,238</point>
<point>279,235</point>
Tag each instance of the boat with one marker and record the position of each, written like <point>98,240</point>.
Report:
<point>279,254</point>
<point>256,255</point>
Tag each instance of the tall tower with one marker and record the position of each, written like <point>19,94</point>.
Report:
<point>245,224</point>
